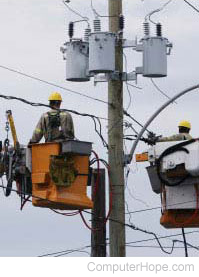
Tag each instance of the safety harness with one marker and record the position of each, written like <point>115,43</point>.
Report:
<point>54,122</point>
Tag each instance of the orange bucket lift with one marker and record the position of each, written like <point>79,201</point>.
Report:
<point>174,174</point>
<point>60,174</point>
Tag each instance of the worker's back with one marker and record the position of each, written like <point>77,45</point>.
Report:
<point>54,125</point>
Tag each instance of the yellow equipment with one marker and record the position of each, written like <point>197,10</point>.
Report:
<point>55,96</point>
<point>55,174</point>
<point>185,123</point>
<point>13,129</point>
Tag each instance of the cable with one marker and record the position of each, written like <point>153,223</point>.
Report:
<point>127,86</point>
<point>75,12</point>
<point>191,5</point>
<point>130,156</point>
<point>156,11</point>
<point>130,116</point>
<point>97,14</point>
<point>162,92</point>
<point>162,237</point>
<point>53,84</point>
<point>94,118</point>
<point>131,226</point>
<point>185,243</point>
<point>110,199</point>
<point>60,252</point>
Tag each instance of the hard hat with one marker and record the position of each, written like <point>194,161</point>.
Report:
<point>184,123</point>
<point>55,96</point>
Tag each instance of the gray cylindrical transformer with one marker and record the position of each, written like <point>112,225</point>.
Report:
<point>154,57</point>
<point>77,53</point>
<point>101,52</point>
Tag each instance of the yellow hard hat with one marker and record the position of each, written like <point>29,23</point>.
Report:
<point>185,123</point>
<point>55,96</point>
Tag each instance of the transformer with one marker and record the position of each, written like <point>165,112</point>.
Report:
<point>76,55</point>
<point>101,52</point>
<point>154,50</point>
<point>154,57</point>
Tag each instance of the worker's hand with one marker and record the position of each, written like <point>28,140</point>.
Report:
<point>151,140</point>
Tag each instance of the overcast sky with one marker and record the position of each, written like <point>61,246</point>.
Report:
<point>31,35</point>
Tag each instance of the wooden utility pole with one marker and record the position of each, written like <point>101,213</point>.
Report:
<point>115,141</point>
<point>98,238</point>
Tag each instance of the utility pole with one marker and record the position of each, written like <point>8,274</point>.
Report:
<point>98,234</point>
<point>115,141</point>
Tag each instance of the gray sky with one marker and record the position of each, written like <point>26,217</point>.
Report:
<point>31,35</point>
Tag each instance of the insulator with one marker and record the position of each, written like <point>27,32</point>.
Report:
<point>97,25</point>
<point>159,30</point>
<point>87,33</point>
<point>121,22</point>
<point>146,28</point>
<point>71,29</point>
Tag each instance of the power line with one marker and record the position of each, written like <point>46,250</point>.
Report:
<point>156,11</point>
<point>94,118</point>
<point>185,242</point>
<point>75,12</point>
<point>162,237</point>
<point>53,84</point>
<point>191,5</point>
<point>65,251</point>
<point>97,14</point>
<point>161,91</point>
<point>69,90</point>
<point>130,226</point>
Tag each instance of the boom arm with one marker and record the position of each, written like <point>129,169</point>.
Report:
<point>13,129</point>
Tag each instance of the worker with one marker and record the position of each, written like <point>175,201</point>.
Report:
<point>54,125</point>
<point>184,129</point>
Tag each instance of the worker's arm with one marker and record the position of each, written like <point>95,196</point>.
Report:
<point>176,137</point>
<point>38,132</point>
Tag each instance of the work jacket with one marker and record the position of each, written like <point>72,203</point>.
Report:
<point>64,131</point>
<point>176,137</point>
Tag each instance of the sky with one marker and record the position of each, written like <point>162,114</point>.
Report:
<point>32,33</point>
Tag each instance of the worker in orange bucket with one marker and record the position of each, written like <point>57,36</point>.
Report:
<point>55,125</point>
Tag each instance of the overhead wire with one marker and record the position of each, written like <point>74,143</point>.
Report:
<point>185,242</point>
<point>53,84</point>
<point>69,90</point>
<point>94,118</point>
<point>161,91</point>
<point>191,5</point>
<point>97,14</point>
<point>64,251</point>
<point>161,237</point>
<point>75,12</point>
<point>134,228</point>
<point>148,16</point>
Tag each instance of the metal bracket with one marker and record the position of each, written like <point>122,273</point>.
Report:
<point>116,75</point>
<point>129,43</point>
